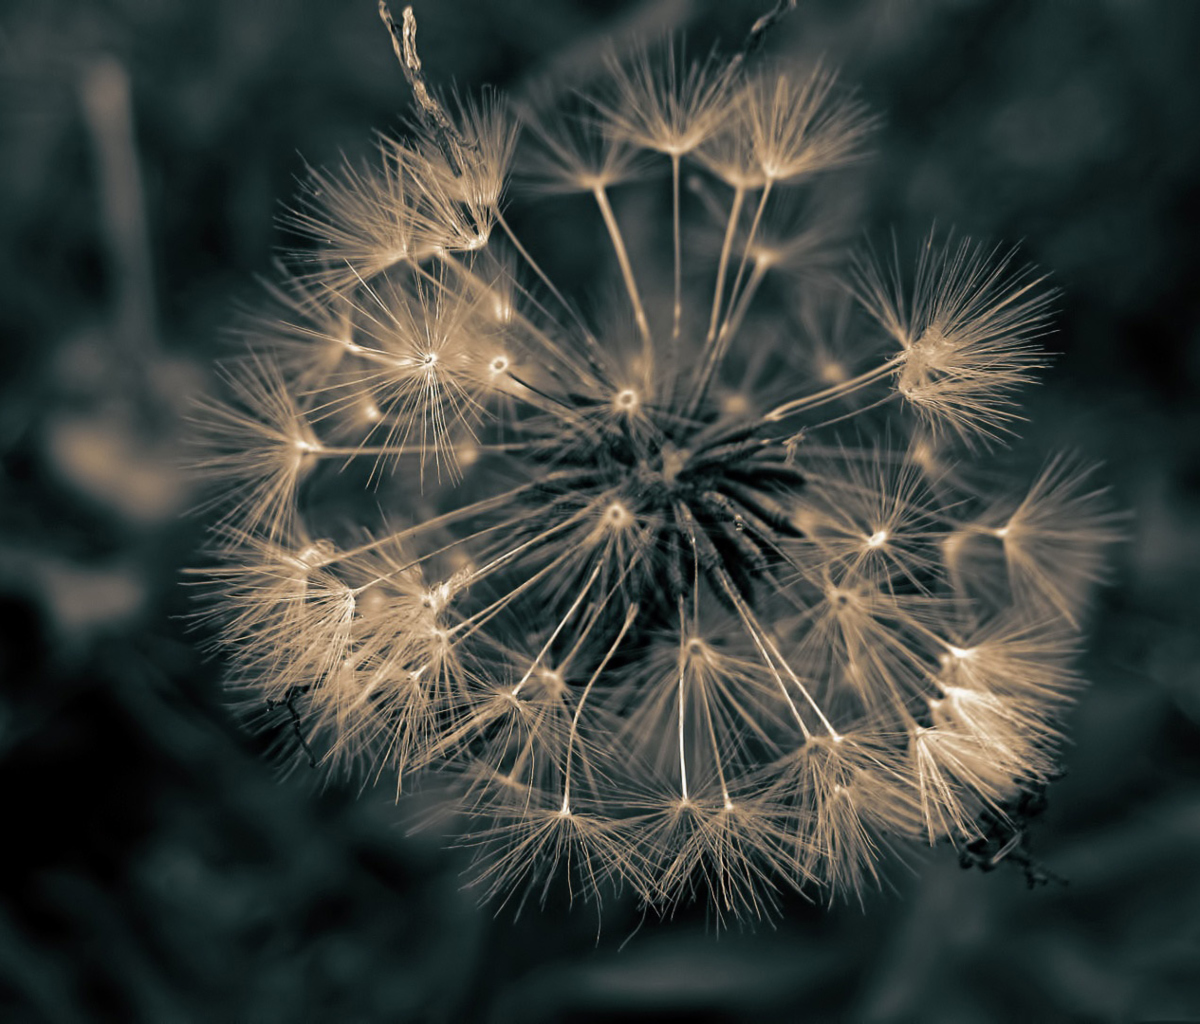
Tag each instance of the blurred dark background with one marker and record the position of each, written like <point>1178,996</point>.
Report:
<point>159,872</point>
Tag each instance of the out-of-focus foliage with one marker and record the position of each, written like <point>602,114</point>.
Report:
<point>157,872</point>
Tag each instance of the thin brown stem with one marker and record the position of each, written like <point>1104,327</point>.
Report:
<point>618,243</point>
<point>678,312</point>
<point>629,617</point>
<point>735,214</point>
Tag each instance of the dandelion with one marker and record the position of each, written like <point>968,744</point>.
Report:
<point>685,596</point>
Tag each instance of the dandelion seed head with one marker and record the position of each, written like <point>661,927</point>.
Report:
<point>692,600</point>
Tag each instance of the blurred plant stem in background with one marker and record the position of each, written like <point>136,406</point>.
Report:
<point>107,105</point>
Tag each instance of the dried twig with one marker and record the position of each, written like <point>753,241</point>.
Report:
<point>432,113</point>
<point>760,28</point>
